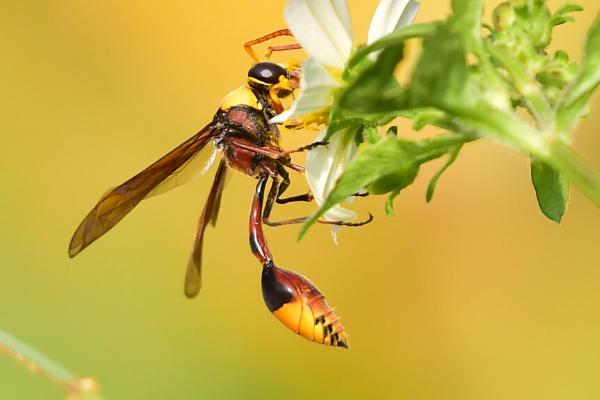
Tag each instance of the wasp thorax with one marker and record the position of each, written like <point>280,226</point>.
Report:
<point>267,72</point>
<point>300,306</point>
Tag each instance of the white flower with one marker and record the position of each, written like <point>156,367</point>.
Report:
<point>323,29</point>
<point>391,15</point>
<point>324,165</point>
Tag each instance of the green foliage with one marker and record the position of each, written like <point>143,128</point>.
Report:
<point>573,104</point>
<point>436,177</point>
<point>473,85</point>
<point>388,166</point>
<point>552,190</point>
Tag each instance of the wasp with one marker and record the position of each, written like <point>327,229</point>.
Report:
<point>241,133</point>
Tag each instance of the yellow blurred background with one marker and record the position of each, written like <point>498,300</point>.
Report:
<point>473,296</point>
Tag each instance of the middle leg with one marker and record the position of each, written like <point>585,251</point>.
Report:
<point>275,192</point>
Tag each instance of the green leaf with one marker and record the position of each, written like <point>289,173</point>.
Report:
<point>370,135</point>
<point>434,180</point>
<point>389,204</point>
<point>426,116</point>
<point>467,19</point>
<point>340,118</point>
<point>398,179</point>
<point>452,87</point>
<point>560,16</point>
<point>574,102</point>
<point>561,19</point>
<point>569,8</point>
<point>394,161</point>
<point>446,85</point>
<point>385,157</point>
<point>552,190</point>
<point>374,84</point>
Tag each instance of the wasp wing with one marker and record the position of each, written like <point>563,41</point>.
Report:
<point>193,278</point>
<point>192,169</point>
<point>118,202</point>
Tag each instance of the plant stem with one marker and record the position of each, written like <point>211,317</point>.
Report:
<point>76,387</point>
<point>563,158</point>
<point>542,146</point>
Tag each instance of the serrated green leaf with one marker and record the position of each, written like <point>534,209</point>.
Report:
<point>552,190</point>
<point>382,158</point>
<point>434,179</point>
<point>389,158</point>
<point>575,99</point>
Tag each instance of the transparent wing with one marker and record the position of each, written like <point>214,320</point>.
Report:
<point>192,169</point>
<point>118,202</point>
<point>193,277</point>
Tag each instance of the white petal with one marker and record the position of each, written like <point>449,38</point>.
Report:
<point>324,165</point>
<point>391,15</point>
<point>317,86</point>
<point>323,29</point>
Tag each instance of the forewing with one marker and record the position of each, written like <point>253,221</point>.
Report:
<point>193,278</point>
<point>195,167</point>
<point>118,202</point>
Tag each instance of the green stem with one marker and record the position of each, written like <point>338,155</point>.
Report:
<point>519,135</point>
<point>549,149</point>
<point>39,364</point>
<point>564,159</point>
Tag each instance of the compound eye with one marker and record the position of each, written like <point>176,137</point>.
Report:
<point>267,72</point>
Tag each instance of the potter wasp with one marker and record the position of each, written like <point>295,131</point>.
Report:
<point>241,133</point>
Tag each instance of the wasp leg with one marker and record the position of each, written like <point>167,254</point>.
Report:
<point>306,197</point>
<point>248,45</point>
<point>301,220</point>
<point>271,153</point>
<point>258,242</point>
<point>284,47</point>
<point>311,146</point>
<point>296,167</point>
<point>272,198</point>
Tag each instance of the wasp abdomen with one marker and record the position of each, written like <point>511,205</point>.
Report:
<point>297,302</point>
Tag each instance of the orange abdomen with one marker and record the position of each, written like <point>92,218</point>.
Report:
<point>297,302</point>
